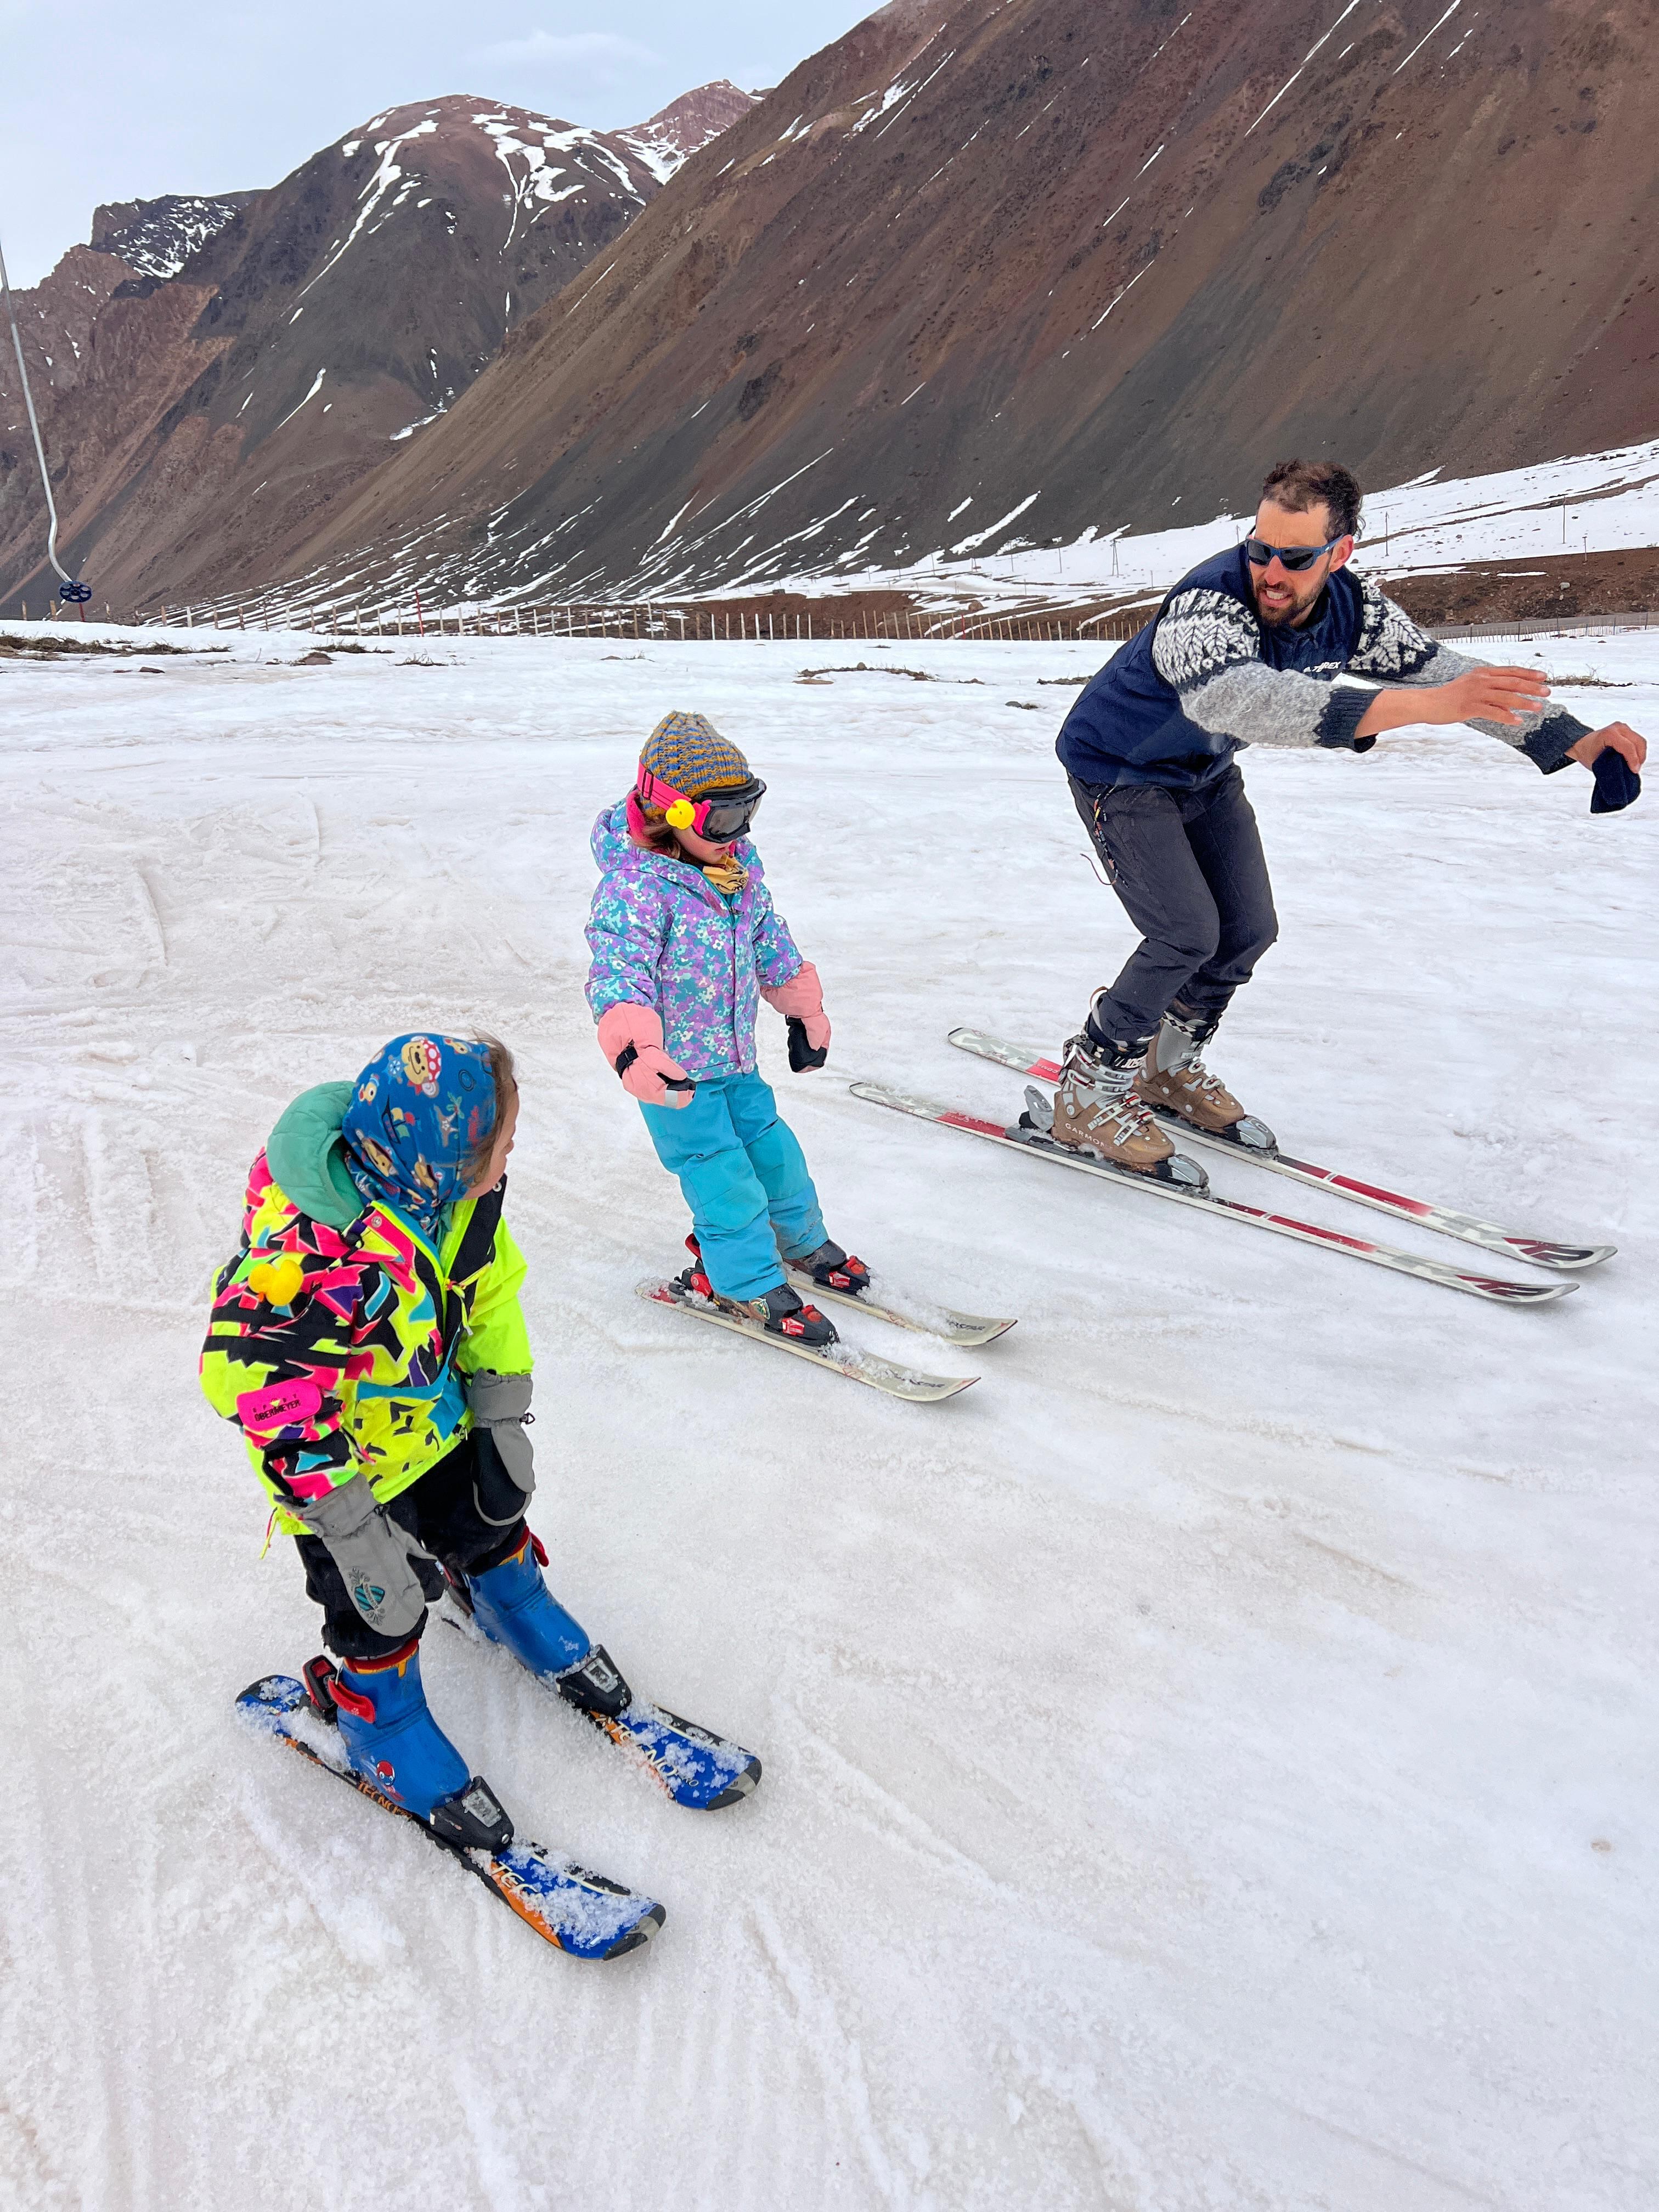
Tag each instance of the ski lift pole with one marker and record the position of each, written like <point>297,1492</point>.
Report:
<point>76,592</point>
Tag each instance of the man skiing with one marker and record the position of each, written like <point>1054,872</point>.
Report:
<point>1246,650</point>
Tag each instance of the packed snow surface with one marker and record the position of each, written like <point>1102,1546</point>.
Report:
<point>1208,1764</point>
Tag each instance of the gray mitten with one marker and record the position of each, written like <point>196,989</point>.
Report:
<point>372,1553</point>
<point>500,1403</point>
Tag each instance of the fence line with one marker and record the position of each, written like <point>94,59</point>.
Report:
<point>648,620</point>
<point>1556,626</point>
<point>685,625</point>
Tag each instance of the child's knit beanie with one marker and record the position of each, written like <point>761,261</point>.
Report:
<point>687,751</point>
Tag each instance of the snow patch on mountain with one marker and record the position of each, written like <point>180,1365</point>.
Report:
<point>155,238</point>
<point>687,125</point>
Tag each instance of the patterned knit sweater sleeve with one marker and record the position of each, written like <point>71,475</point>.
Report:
<point>1393,651</point>
<point>1208,646</point>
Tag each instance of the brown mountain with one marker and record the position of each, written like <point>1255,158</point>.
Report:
<point>1071,261</point>
<point>678,131</point>
<point>222,370</point>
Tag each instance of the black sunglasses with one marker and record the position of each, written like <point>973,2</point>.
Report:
<point>1296,558</point>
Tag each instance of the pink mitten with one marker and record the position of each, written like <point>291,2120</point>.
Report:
<point>631,1037</point>
<point>801,999</point>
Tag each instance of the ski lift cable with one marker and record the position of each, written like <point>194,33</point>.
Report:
<point>39,450</point>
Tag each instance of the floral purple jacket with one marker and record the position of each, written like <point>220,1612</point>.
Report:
<point>662,936</point>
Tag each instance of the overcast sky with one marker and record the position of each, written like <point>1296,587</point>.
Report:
<point>120,99</point>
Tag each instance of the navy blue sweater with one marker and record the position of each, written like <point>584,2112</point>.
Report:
<point>1207,675</point>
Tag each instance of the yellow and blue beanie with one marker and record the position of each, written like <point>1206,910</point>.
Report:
<point>687,751</point>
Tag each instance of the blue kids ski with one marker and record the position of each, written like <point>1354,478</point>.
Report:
<point>572,1908</point>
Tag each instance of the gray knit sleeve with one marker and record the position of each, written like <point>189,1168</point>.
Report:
<point>1393,651</point>
<point>1208,646</point>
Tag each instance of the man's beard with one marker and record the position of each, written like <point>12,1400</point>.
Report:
<point>1291,611</point>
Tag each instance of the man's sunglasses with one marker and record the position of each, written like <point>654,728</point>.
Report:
<point>1296,558</point>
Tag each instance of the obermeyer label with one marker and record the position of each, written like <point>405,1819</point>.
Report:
<point>278,1406</point>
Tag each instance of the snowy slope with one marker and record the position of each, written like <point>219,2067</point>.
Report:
<point>1208,1766</point>
<point>156,238</point>
<point>1594,503</point>
<point>687,125</point>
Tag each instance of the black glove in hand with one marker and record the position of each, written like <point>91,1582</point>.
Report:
<point>802,1058</point>
<point>1617,782</point>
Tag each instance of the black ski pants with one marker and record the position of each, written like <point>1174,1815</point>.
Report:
<point>1189,869</point>
<point>466,1510</point>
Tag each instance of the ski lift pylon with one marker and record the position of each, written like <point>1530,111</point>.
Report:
<point>75,593</point>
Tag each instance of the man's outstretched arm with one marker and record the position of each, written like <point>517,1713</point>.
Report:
<point>1425,682</point>
<point>1208,646</point>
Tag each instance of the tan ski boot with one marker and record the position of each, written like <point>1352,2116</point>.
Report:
<point>1174,1081</point>
<point>1095,1110</point>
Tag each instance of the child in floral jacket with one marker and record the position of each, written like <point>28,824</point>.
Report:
<point>686,943</point>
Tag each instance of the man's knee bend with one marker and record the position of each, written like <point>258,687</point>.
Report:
<point>1196,948</point>
<point>1260,936</point>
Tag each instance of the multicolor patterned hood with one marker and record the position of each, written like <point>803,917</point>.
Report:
<point>662,936</point>
<point>420,1108</point>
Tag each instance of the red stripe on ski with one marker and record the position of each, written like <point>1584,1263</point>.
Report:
<point>1442,1220</point>
<point>1498,1287</point>
<point>969,1121</point>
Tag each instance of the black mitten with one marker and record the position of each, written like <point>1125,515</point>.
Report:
<point>1617,782</point>
<point>801,1054</point>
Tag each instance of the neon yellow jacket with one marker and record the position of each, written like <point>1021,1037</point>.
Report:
<point>344,1345</point>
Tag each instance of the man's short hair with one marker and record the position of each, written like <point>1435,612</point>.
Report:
<point>1298,485</point>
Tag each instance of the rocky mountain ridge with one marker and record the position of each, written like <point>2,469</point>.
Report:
<point>155,238</point>
<point>205,354</point>
<point>982,275</point>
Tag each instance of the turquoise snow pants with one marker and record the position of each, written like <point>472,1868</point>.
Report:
<point>743,1177</point>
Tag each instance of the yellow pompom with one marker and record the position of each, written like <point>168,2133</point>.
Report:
<point>277,1281</point>
<point>682,814</point>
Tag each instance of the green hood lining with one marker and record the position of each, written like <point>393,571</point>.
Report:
<point>306,1153</point>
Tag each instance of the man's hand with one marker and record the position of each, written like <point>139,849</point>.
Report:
<point>1484,694</point>
<point>1488,694</point>
<point>1623,739</point>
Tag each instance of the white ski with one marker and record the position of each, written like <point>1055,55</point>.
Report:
<point>1539,1251</point>
<point>840,1359</point>
<point>951,1328</point>
<point>1499,1288</point>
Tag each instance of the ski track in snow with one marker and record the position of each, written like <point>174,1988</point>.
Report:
<point>1189,1757</point>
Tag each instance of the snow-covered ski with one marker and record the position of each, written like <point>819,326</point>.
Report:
<point>696,1767</point>
<point>574,1910</point>
<point>1539,1251</point>
<point>840,1359</point>
<point>970,1330</point>
<point>1499,1288</point>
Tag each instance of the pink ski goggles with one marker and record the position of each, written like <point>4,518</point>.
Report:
<point>720,818</point>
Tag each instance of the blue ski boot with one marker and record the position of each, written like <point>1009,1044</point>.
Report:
<point>392,1741</point>
<point>513,1606</point>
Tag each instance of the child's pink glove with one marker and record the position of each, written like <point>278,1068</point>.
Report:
<point>801,999</point>
<point>631,1037</point>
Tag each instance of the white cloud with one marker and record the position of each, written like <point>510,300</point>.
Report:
<point>599,54</point>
